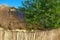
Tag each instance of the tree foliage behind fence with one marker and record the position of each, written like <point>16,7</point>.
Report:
<point>40,14</point>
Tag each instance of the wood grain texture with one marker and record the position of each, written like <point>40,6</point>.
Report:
<point>24,35</point>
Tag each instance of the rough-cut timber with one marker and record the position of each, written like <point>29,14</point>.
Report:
<point>24,35</point>
<point>11,18</point>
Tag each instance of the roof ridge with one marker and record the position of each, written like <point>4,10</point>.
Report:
<point>3,5</point>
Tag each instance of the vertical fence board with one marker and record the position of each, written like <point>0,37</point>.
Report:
<point>8,35</point>
<point>38,36</point>
<point>30,36</point>
<point>1,35</point>
<point>14,34</point>
<point>58,34</point>
<point>21,36</point>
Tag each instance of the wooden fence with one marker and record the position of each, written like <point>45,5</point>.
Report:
<point>38,35</point>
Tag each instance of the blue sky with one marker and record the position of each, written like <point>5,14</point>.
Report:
<point>15,3</point>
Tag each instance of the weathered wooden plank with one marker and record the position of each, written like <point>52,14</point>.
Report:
<point>14,35</point>
<point>1,35</point>
<point>21,36</point>
<point>38,36</point>
<point>8,35</point>
<point>31,36</point>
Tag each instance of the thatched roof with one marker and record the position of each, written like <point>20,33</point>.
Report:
<point>11,18</point>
